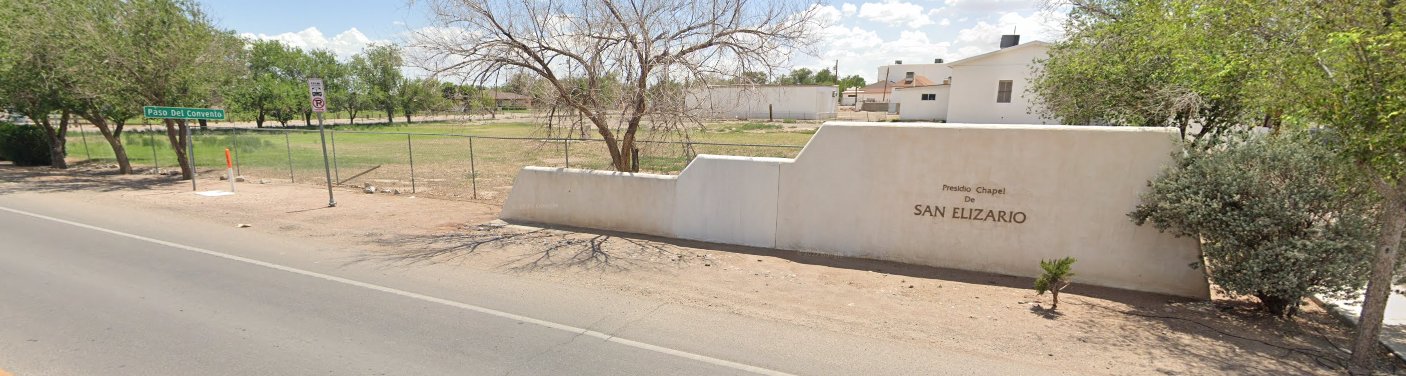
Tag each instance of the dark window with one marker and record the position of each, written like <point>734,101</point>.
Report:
<point>929,97</point>
<point>1003,91</point>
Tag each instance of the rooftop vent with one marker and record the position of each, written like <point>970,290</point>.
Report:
<point>897,62</point>
<point>937,61</point>
<point>1009,40</point>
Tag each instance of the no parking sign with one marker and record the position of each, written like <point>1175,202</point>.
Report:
<point>319,99</point>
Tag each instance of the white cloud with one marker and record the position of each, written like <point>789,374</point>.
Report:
<point>344,44</point>
<point>894,12</point>
<point>986,36</point>
<point>849,9</point>
<point>990,6</point>
<point>827,15</point>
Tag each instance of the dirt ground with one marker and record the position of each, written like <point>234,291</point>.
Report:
<point>1095,331</point>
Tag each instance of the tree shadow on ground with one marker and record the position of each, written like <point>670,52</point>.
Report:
<point>80,176</point>
<point>1045,313</point>
<point>533,248</point>
<point>1247,341</point>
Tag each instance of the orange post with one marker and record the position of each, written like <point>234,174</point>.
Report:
<point>229,170</point>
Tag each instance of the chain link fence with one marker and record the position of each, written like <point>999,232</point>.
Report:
<point>449,166</point>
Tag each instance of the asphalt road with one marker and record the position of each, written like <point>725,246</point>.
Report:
<point>136,294</point>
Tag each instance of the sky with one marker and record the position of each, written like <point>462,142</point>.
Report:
<point>861,36</point>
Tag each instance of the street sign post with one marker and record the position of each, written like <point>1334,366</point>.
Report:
<point>185,113</point>
<point>319,105</point>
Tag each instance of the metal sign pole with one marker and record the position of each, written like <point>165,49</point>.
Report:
<point>190,152</point>
<point>319,105</point>
<point>326,165</point>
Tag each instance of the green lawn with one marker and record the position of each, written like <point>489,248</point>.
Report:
<point>380,154</point>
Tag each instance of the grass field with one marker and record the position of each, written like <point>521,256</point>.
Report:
<point>381,154</point>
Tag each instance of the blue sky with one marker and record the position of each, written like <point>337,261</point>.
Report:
<point>863,34</point>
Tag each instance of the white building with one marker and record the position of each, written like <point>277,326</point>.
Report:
<point>899,72</point>
<point>801,102</point>
<point>982,89</point>
<point>990,88</point>
<point>927,103</point>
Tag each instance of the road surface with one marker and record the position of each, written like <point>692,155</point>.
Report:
<point>91,290</point>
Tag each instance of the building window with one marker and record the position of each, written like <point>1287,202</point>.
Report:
<point>1003,91</point>
<point>929,97</point>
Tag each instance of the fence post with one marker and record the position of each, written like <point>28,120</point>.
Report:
<point>410,147</point>
<point>84,136</point>
<point>337,172</point>
<point>473,172</point>
<point>235,149</point>
<point>635,160</point>
<point>566,144</point>
<point>289,145</point>
<point>151,136</point>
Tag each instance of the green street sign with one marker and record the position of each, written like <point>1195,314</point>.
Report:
<point>153,112</point>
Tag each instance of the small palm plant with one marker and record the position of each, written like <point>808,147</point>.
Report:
<point>1057,276</point>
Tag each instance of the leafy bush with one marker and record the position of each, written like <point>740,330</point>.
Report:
<point>1278,218</point>
<point>26,145</point>
<point>1057,276</point>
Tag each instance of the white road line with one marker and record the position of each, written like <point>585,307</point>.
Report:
<point>451,303</point>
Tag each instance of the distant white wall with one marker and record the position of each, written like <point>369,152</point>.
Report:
<point>912,107</point>
<point>991,198</point>
<point>805,102</point>
<point>975,83</point>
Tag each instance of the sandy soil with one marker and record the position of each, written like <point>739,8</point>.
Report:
<point>1095,331</point>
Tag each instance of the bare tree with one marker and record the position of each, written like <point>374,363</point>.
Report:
<point>616,64</point>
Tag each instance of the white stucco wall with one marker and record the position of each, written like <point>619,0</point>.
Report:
<point>912,107</point>
<point>852,192</point>
<point>805,102</point>
<point>604,200</point>
<point>727,199</point>
<point>974,87</point>
<point>913,193</point>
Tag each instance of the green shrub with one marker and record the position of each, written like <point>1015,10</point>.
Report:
<point>1057,275</point>
<point>25,145</point>
<point>1278,218</point>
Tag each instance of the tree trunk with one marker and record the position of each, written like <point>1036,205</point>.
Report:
<point>407,117</point>
<point>390,115</point>
<point>259,121</point>
<point>1369,324</point>
<point>352,117</point>
<point>58,140</point>
<point>307,118</point>
<point>113,135</point>
<point>203,124</point>
<point>176,133</point>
